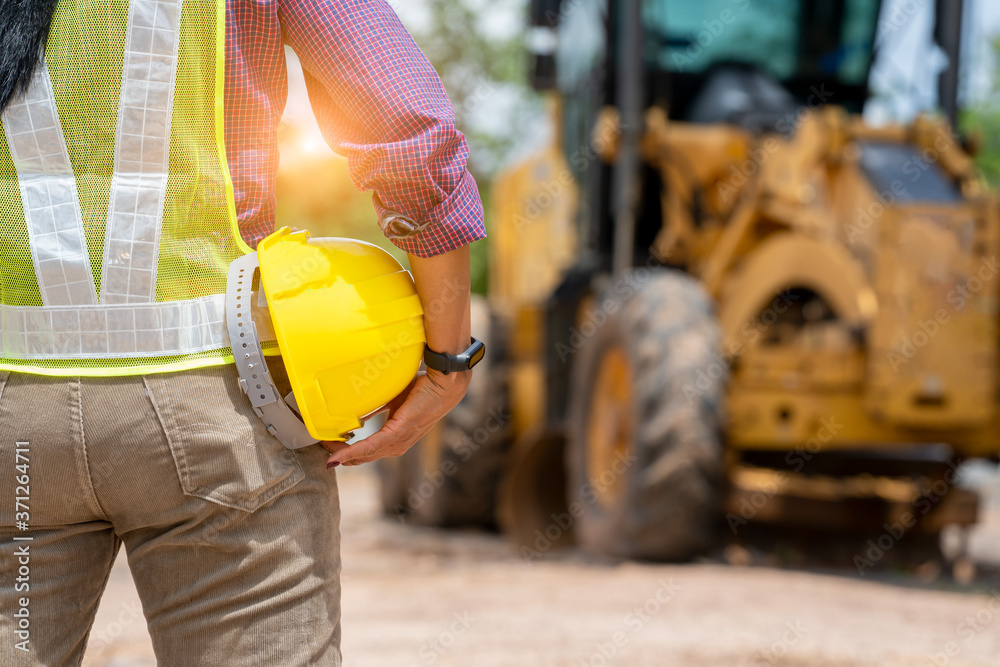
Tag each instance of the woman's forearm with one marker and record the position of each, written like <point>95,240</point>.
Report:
<point>443,284</point>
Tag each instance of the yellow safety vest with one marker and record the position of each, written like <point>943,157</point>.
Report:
<point>117,217</point>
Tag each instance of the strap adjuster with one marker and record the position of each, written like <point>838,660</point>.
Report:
<point>255,379</point>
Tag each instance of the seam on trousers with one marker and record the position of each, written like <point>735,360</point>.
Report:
<point>76,386</point>
<point>107,576</point>
<point>281,474</point>
<point>4,377</point>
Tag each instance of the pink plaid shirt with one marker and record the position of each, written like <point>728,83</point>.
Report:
<point>379,103</point>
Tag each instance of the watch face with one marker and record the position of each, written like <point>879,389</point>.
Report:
<point>477,355</point>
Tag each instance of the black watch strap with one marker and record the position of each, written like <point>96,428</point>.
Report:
<point>455,363</point>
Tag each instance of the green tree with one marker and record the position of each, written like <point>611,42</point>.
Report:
<point>982,121</point>
<point>484,69</point>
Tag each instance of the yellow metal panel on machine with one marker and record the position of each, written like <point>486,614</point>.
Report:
<point>932,359</point>
<point>534,238</point>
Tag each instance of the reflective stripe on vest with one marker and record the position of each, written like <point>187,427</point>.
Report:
<point>48,194</point>
<point>142,150</point>
<point>134,312</point>
<point>117,331</point>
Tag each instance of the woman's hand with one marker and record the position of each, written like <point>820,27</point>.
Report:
<point>411,415</point>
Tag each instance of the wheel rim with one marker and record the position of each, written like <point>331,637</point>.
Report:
<point>610,427</point>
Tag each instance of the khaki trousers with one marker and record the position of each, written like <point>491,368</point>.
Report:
<point>233,540</point>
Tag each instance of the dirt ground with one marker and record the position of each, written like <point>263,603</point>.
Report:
<point>419,597</point>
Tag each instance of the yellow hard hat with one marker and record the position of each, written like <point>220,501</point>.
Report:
<point>349,325</point>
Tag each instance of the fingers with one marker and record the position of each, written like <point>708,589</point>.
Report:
<point>334,447</point>
<point>399,433</point>
<point>375,446</point>
<point>412,414</point>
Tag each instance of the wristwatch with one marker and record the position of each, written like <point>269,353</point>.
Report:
<point>455,363</point>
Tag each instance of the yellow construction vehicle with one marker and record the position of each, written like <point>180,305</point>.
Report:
<point>720,297</point>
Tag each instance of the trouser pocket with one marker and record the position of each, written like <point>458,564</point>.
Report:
<point>222,451</point>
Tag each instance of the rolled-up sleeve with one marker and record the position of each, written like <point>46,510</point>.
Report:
<point>381,105</point>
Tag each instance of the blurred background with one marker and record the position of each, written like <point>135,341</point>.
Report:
<point>741,300</point>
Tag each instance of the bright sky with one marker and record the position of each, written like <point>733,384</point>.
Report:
<point>906,72</point>
<point>983,25</point>
<point>499,18</point>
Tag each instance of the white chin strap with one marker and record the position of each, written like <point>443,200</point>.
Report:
<point>255,380</point>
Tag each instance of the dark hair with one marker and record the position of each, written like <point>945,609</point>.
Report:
<point>24,29</point>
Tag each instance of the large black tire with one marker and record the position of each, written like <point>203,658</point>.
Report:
<point>662,498</point>
<point>450,477</point>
